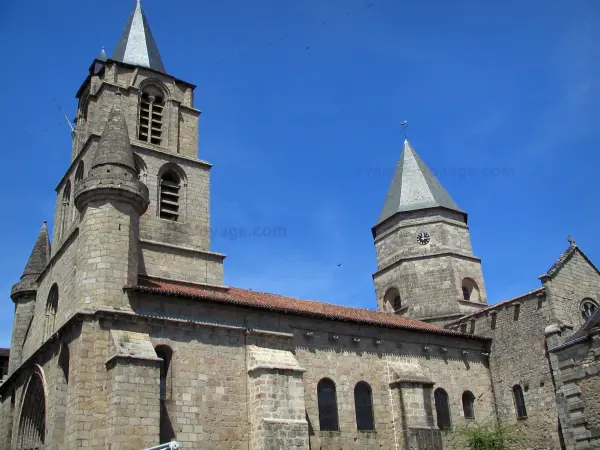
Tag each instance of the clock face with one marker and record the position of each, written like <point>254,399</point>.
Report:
<point>423,238</point>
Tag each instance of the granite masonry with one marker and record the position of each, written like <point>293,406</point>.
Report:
<point>125,335</point>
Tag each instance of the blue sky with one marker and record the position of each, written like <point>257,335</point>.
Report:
<point>302,104</point>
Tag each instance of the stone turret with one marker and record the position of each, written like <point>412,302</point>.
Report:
<point>110,200</point>
<point>426,267</point>
<point>24,294</point>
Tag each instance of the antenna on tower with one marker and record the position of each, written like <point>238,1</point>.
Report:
<point>404,125</point>
<point>65,116</point>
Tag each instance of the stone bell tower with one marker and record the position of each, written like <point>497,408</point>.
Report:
<point>162,127</point>
<point>426,268</point>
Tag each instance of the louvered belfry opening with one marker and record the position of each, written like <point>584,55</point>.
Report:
<point>151,115</point>
<point>32,424</point>
<point>170,185</point>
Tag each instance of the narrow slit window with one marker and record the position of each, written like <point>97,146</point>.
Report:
<point>170,186</point>
<point>493,321</point>
<point>51,308</point>
<point>472,326</point>
<point>442,409</point>
<point>519,402</point>
<point>468,401</point>
<point>363,404</point>
<point>65,208</point>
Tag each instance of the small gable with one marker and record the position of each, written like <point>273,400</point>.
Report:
<point>574,287</point>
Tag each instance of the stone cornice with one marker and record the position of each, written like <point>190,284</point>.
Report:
<point>400,259</point>
<point>215,255</point>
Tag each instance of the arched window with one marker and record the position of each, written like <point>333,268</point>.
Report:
<point>32,423</point>
<point>79,172</point>
<point>519,402</point>
<point>470,291</point>
<point>327,399</point>
<point>588,308</point>
<point>152,102</point>
<point>84,104</point>
<point>65,208</point>
<point>392,300</point>
<point>363,403</point>
<point>468,401</point>
<point>442,409</point>
<point>170,185</point>
<point>51,308</point>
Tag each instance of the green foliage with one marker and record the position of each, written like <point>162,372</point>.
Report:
<point>488,436</point>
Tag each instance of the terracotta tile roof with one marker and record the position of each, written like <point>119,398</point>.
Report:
<point>4,352</point>
<point>244,297</point>
<point>497,305</point>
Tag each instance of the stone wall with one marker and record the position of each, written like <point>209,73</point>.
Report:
<point>576,367</point>
<point>62,271</point>
<point>209,360</point>
<point>180,263</point>
<point>276,400</point>
<point>518,356</point>
<point>7,409</point>
<point>193,227</point>
<point>133,409</point>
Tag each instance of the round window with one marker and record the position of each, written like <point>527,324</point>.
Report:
<point>588,308</point>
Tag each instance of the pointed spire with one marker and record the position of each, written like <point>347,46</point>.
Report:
<point>137,46</point>
<point>114,148</point>
<point>40,255</point>
<point>414,187</point>
<point>102,56</point>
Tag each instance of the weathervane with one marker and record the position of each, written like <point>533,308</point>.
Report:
<point>404,125</point>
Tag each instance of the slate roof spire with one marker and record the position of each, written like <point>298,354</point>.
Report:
<point>40,255</point>
<point>414,187</point>
<point>137,46</point>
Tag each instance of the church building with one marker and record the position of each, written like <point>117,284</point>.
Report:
<point>125,335</point>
